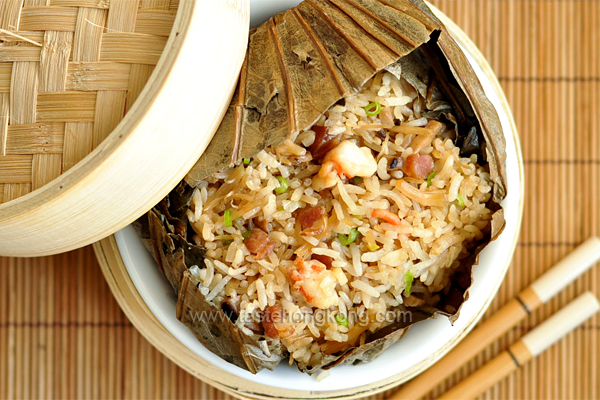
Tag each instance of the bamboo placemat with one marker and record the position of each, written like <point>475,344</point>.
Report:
<point>62,335</point>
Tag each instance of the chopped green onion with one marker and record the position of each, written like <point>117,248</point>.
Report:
<point>341,320</point>
<point>226,241</point>
<point>357,180</point>
<point>227,218</point>
<point>246,234</point>
<point>358,217</point>
<point>283,185</point>
<point>373,109</point>
<point>246,161</point>
<point>345,240</point>
<point>460,201</point>
<point>408,278</point>
<point>430,177</point>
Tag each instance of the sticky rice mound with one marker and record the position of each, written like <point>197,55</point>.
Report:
<point>370,211</point>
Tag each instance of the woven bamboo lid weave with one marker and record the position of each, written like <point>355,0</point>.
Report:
<point>68,75</point>
<point>76,72</point>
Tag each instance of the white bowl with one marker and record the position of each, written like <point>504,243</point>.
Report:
<point>425,343</point>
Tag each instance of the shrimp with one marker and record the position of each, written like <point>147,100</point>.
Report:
<point>327,177</point>
<point>315,282</point>
<point>345,159</point>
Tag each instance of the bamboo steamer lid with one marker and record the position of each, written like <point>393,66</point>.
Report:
<point>104,107</point>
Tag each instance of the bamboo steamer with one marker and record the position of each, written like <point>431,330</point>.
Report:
<point>100,115</point>
<point>113,253</point>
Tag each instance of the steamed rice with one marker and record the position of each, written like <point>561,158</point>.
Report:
<point>441,218</point>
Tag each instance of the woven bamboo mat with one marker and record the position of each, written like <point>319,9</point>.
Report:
<point>62,335</point>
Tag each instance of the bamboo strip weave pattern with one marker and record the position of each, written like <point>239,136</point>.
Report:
<point>62,335</point>
<point>69,71</point>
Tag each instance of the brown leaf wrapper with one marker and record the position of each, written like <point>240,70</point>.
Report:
<point>211,325</point>
<point>298,65</point>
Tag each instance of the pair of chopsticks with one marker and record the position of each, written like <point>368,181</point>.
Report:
<point>529,346</point>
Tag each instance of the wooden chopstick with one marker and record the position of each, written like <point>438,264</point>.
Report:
<point>536,294</point>
<point>530,346</point>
